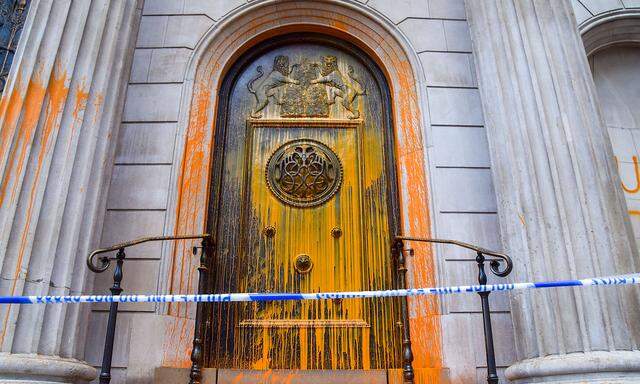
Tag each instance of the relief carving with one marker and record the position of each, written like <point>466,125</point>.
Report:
<point>307,89</point>
<point>345,87</point>
<point>304,173</point>
<point>265,87</point>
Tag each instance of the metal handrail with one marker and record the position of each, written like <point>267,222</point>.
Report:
<point>106,261</point>
<point>116,289</point>
<point>492,372</point>
<point>493,263</point>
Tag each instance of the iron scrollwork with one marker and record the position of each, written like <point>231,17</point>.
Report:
<point>304,173</point>
<point>306,89</point>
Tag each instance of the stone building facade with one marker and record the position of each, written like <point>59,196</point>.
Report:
<point>511,124</point>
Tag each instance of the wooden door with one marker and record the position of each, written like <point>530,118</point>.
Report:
<point>304,206</point>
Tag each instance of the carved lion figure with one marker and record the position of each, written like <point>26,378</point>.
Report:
<point>264,87</point>
<point>345,87</point>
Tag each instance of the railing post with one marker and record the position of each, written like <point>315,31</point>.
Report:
<point>407,353</point>
<point>500,264</point>
<point>197,353</point>
<point>116,290</point>
<point>492,375</point>
<point>99,264</point>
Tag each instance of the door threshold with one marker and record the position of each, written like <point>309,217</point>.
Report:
<point>273,376</point>
<point>294,376</point>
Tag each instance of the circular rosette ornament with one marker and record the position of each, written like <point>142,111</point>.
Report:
<point>304,173</point>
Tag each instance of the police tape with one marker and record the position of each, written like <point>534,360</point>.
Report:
<point>237,297</point>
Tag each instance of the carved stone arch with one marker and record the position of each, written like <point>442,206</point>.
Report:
<point>216,53</point>
<point>604,30</point>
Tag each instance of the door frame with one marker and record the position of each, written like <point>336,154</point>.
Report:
<point>220,132</point>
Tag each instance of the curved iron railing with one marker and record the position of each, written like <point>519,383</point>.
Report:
<point>501,265</point>
<point>116,289</point>
<point>106,261</point>
<point>494,263</point>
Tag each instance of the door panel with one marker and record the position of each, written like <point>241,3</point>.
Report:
<point>303,206</point>
<point>335,261</point>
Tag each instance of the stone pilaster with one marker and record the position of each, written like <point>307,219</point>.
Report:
<point>562,213</point>
<point>58,117</point>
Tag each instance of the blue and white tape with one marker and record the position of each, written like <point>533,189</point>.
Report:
<point>229,297</point>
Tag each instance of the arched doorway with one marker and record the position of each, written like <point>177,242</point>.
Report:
<point>616,75</point>
<point>304,200</point>
<point>612,44</point>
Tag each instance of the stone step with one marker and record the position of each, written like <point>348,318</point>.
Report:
<point>167,375</point>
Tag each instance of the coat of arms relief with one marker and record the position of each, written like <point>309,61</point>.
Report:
<point>306,89</point>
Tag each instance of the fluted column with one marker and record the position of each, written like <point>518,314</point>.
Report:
<point>58,119</point>
<point>561,211</point>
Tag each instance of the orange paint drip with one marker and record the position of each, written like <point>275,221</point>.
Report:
<point>24,130</point>
<point>79,107</point>
<point>80,104</point>
<point>357,260</point>
<point>425,317</point>
<point>56,93</point>
<point>178,338</point>
<point>193,180</point>
<point>425,320</point>
<point>10,106</point>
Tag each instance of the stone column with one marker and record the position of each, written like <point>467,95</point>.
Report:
<point>561,210</point>
<point>59,116</point>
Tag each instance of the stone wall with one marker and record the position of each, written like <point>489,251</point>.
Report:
<point>589,11</point>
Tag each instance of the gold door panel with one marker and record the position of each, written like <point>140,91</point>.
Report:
<point>303,181</point>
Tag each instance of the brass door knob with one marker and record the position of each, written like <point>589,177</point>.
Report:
<point>303,263</point>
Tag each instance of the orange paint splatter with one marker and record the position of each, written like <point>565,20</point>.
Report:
<point>177,343</point>
<point>80,104</point>
<point>23,129</point>
<point>79,107</point>
<point>56,93</point>
<point>192,187</point>
<point>10,106</point>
